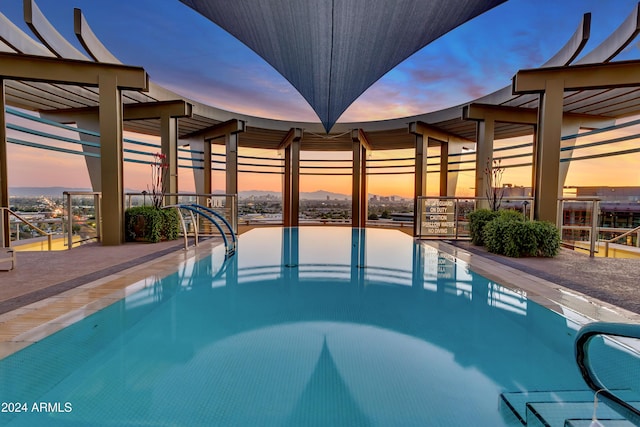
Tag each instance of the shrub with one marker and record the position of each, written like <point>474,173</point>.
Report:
<point>495,232</point>
<point>170,224</point>
<point>547,238</point>
<point>150,224</point>
<point>520,239</point>
<point>477,221</point>
<point>509,234</point>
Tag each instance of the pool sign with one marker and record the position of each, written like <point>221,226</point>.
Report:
<point>439,218</point>
<point>215,202</point>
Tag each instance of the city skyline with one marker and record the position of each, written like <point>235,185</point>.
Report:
<point>216,69</point>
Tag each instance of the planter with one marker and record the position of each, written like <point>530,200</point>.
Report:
<point>149,224</point>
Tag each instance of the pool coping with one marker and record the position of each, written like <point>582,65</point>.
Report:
<point>29,324</point>
<point>575,305</point>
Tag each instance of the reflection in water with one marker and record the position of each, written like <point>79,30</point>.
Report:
<point>303,326</point>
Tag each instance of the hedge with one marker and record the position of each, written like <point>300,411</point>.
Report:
<point>147,223</point>
<point>509,233</point>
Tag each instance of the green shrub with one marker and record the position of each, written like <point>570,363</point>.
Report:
<point>150,224</point>
<point>170,224</point>
<point>477,221</point>
<point>510,214</point>
<point>547,238</point>
<point>520,239</point>
<point>509,234</point>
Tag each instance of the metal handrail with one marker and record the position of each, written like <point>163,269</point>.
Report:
<point>606,242</point>
<point>25,221</point>
<point>198,209</point>
<point>585,334</point>
<point>97,201</point>
<point>595,210</point>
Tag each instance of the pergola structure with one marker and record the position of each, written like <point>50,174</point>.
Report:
<point>555,100</point>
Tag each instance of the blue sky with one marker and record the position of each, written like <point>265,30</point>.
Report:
<point>185,52</point>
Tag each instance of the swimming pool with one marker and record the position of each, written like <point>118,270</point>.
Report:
<point>309,326</point>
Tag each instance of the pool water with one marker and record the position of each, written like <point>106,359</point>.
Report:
<point>302,327</point>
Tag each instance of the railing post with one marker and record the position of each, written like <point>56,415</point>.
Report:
<point>2,223</point>
<point>69,222</point>
<point>97,203</point>
<point>595,207</point>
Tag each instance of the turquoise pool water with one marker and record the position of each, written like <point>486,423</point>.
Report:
<point>302,327</point>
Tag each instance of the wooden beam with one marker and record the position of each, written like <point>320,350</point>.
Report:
<point>230,127</point>
<point>521,115</point>
<point>579,77</point>
<point>294,134</point>
<point>69,71</point>
<point>139,111</point>
<point>421,128</point>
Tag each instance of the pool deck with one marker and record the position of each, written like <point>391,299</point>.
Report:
<point>48,291</point>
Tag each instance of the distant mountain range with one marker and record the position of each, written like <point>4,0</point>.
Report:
<point>256,194</point>
<point>42,191</point>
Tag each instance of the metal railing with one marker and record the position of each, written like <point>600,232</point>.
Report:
<point>612,240</point>
<point>6,212</point>
<point>586,363</point>
<point>79,217</point>
<point>224,204</point>
<point>213,217</point>
<point>590,225</point>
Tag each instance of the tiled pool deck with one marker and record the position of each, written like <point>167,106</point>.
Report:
<point>48,291</point>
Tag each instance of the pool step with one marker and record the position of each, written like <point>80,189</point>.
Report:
<point>561,408</point>
<point>603,421</point>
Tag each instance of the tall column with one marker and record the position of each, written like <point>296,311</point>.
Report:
<point>169,147</point>
<point>295,183</point>
<point>420,186</point>
<point>111,157</point>
<point>231,171</point>
<point>548,152</point>
<point>444,168</point>
<point>5,238</point>
<point>484,158</point>
<point>207,180</point>
<point>356,185</point>
<point>364,195</point>
<point>286,188</point>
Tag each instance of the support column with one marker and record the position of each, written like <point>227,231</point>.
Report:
<point>484,159</point>
<point>231,171</point>
<point>295,184</point>
<point>454,150</point>
<point>169,144</point>
<point>359,182</point>
<point>207,180</point>
<point>548,152</point>
<point>444,168</point>
<point>286,189</point>
<point>420,186</point>
<point>111,158</point>
<point>359,201</point>
<point>5,237</point>
<point>291,186</point>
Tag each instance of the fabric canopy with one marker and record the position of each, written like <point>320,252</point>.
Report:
<point>333,50</point>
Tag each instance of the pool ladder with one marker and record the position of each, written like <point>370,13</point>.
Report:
<point>214,218</point>
<point>577,408</point>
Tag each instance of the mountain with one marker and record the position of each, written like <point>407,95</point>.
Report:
<point>42,191</point>
<point>314,195</point>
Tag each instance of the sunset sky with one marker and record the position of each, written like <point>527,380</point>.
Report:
<point>187,53</point>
